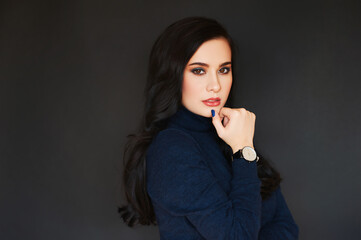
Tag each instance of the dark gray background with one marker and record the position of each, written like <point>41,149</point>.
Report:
<point>72,74</point>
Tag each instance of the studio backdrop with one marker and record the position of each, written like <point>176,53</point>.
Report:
<point>72,74</point>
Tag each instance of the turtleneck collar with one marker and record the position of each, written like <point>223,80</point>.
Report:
<point>186,119</point>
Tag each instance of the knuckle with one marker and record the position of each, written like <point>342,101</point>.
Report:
<point>236,113</point>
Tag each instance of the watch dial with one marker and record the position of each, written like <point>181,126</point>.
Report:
<point>249,153</point>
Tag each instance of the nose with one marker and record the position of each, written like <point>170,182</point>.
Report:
<point>213,83</point>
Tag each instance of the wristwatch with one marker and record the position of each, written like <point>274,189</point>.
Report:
<point>248,153</point>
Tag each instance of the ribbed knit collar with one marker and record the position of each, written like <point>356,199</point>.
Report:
<point>186,119</point>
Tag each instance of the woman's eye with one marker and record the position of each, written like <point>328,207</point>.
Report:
<point>225,68</point>
<point>197,71</point>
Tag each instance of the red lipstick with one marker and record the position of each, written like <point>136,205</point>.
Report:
<point>212,102</point>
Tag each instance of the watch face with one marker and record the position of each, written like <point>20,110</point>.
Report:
<point>249,153</point>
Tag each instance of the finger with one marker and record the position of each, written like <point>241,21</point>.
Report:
<point>225,111</point>
<point>225,122</point>
<point>216,120</point>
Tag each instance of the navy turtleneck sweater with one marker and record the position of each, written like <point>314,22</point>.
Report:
<point>197,194</point>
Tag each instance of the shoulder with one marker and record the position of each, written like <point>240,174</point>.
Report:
<point>173,150</point>
<point>172,140</point>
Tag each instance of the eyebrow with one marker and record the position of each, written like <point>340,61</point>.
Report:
<point>206,65</point>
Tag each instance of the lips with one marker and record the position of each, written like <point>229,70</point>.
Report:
<point>212,102</point>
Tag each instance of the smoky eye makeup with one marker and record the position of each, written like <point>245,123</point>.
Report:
<point>197,71</point>
<point>200,71</point>
<point>226,68</point>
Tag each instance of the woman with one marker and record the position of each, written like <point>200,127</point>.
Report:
<point>192,168</point>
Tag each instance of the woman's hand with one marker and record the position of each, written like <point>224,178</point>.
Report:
<point>238,127</point>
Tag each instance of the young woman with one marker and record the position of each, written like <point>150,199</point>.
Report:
<point>192,168</point>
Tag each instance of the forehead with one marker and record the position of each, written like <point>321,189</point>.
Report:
<point>213,51</point>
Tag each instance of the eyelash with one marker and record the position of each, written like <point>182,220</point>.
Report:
<point>195,69</point>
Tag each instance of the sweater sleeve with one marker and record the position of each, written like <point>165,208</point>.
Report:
<point>181,182</point>
<point>282,226</point>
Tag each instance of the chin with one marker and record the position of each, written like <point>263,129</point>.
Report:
<point>207,110</point>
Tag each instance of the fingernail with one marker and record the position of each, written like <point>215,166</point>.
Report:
<point>213,113</point>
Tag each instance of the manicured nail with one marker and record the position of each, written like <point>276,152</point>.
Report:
<point>213,113</point>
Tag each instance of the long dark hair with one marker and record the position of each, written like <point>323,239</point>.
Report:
<point>170,53</point>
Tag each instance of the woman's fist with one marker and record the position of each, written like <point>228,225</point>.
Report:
<point>238,127</point>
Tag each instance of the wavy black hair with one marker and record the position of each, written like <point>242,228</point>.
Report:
<point>163,94</point>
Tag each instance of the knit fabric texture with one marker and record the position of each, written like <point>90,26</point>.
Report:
<point>197,194</point>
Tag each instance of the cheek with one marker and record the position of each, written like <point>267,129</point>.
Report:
<point>229,85</point>
<point>190,88</point>
<point>226,83</point>
<point>227,88</point>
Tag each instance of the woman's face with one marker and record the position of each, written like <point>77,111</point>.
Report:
<point>207,75</point>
